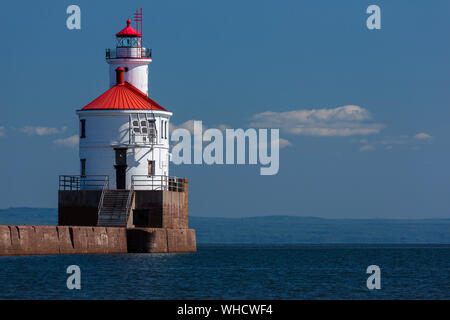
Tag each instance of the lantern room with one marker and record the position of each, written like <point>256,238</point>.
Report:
<point>128,37</point>
<point>131,55</point>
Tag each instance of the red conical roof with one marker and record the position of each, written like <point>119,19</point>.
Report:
<point>128,31</point>
<point>123,97</point>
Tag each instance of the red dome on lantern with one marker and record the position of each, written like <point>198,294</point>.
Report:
<point>128,31</point>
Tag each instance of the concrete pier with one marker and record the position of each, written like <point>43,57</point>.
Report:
<point>161,240</point>
<point>34,240</point>
<point>31,240</point>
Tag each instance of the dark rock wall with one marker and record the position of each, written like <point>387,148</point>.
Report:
<point>78,207</point>
<point>161,209</point>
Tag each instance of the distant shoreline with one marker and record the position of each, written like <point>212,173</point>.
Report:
<point>31,209</point>
<point>331,245</point>
<point>284,230</point>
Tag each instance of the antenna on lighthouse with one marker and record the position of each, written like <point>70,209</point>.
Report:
<point>138,19</point>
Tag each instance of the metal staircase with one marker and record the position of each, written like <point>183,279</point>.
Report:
<point>114,208</point>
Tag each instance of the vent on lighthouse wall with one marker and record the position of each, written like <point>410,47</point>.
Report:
<point>120,76</point>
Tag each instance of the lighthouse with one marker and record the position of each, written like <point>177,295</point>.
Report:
<point>124,179</point>
<point>123,133</point>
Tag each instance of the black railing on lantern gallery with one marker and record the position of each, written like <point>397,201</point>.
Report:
<point>140,53</point>
<point>87,182</point>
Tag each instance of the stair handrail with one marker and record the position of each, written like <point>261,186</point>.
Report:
<point>105,187</point>
<point>129,200</point>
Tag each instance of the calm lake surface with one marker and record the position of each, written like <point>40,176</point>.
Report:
<point>236,272</point>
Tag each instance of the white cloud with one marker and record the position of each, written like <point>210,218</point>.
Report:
<point>223,127</point>
<point>389,143</point>
<point>68,142</point>
<point>284,143</point>
<point>189,125</point>
<point>366,148</point>
<point>422,136</point>
<point>42,131</point>
<point>2,131</point>
<point>341,121</point>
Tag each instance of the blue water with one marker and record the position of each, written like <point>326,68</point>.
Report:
<point>236,272</point>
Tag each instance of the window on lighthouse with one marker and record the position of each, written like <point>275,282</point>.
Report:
<point>136,127</point>
<point>152,129</point>
<point>83,128</point>
<point>128,42</point>
<point>144,127</point>
<point>83,167</point>
<point>165,129</point>
<point>151,167</point>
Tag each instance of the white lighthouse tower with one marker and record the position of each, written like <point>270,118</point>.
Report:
<point>124,134</point>
<point>131,55</point>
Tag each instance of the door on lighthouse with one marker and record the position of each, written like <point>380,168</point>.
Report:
<point>121,167</point>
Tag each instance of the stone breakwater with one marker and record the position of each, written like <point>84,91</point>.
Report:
<point>161,240</point>
<point>25,240</point>
<point>31,240</point>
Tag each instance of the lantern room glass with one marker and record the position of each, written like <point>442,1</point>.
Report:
<point>128,42</point>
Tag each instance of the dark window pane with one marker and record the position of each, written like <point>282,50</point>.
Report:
<point>83,128</point>
<point>121,156</point>
<point>151,167</point>
<point>83,167</point>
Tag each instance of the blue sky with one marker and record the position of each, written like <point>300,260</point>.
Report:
<point>223,62</point>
